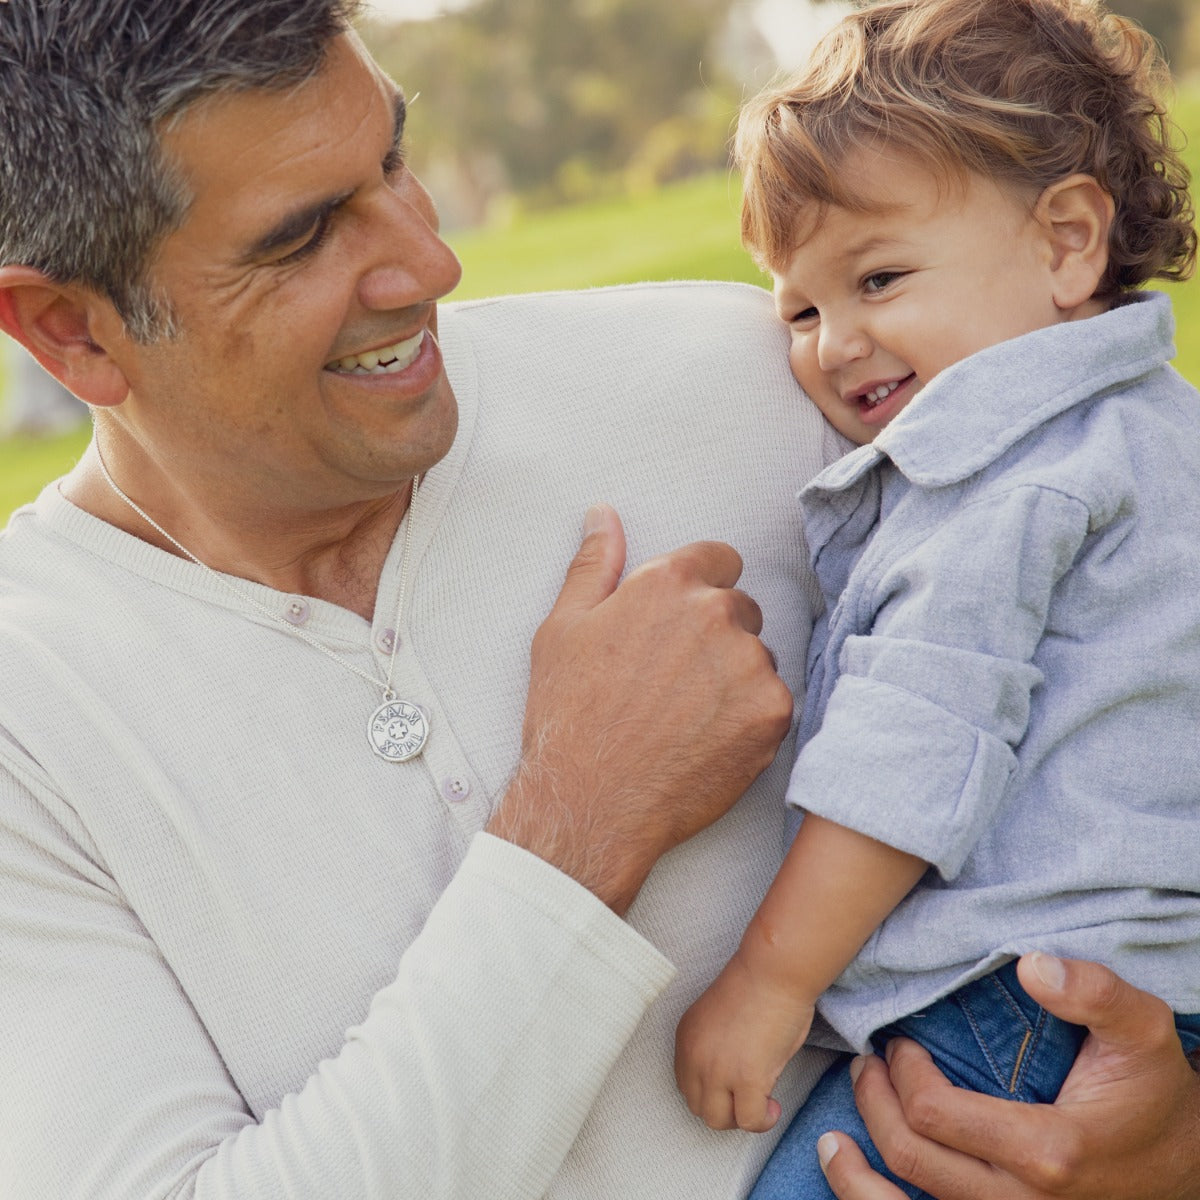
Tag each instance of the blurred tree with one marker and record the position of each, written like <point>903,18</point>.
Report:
<point>557,100</point>
<point>1164,19</point>
<point>547,97</point>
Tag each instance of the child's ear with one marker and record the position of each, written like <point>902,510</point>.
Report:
<point>1077,214</point>
<point>58,324</point>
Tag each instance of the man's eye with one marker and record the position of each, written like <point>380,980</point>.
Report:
<point>878,281</point>
<point>393,162</point>
<point>319,232</point>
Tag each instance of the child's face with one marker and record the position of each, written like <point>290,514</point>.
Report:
<point>878,303</point>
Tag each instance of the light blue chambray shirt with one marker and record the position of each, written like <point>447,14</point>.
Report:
<point>1006,682</point>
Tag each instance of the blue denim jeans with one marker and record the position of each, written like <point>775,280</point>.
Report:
<point>989,1036</point>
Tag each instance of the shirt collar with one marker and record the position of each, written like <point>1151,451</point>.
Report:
<point>973,411</point>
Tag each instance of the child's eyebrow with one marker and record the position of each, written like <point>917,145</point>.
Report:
<point>868,245</point>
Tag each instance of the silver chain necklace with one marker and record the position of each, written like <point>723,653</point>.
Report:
<point>397,730</point>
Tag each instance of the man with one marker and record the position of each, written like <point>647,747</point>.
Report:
<point>312,881</point>
<point>211,871</point>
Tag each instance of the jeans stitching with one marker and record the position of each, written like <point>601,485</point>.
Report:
<point>1033,1032</point>
<point>979,1038</point>
<point>1007,997</point>
<point>1033,1035</point>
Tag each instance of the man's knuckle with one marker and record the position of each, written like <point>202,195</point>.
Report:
<point>1108,991</point>
<point>902,1155</point>
<point>715,552</point>
<point>1160,1037</point>
<point>663,572</point>
<point>1057,1168</point>
<point>924,1113</point>
<point>766,657</point>
<point>780,702</point>
<point>544,638</point>
<point>718,607</point>
<point>1054,1162</point>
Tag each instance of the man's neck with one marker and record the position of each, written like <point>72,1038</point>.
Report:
<point>334,555</point>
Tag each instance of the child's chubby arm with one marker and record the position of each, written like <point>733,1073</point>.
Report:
<point>834,888</point>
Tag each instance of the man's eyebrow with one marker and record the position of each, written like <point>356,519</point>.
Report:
<point>292,227</point>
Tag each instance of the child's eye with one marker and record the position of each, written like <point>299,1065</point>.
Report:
<point>879,280</point>
<point>805,317</point>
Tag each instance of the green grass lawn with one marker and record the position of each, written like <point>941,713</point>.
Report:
<point>26,463</point>
<point>687,231</point>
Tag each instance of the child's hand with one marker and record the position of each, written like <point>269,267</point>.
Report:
<point>731,1046</point>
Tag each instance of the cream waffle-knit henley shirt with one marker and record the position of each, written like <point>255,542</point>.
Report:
<point>240,955</point>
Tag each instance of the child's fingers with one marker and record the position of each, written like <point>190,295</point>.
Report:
<point>755,1111</point>
<point>716,1108</point>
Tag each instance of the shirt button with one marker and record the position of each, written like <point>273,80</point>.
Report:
<point>385,639</point>
<point>296,611</point>
<point>455,787</point>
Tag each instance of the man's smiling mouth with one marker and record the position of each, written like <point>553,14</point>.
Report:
<point>387,360</point>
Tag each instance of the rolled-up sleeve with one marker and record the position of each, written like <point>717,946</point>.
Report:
<point>933,682</point>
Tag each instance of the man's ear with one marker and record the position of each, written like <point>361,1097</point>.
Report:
<point>58,324</point>
<point>1077,214</point>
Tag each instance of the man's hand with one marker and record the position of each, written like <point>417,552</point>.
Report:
<point>652,707</point>
<point>732,1045</point>
<point>1126,1125</point>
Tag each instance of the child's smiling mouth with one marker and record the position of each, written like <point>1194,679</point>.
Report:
<point>881,393</point>
<point>872,401</point>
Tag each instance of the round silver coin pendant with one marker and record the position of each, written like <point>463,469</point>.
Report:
<point>398,730</point>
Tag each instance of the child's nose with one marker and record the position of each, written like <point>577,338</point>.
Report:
<point>839,343</point>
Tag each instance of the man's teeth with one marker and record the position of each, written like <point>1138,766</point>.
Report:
<point>881,393</point>
<point>386,361</point>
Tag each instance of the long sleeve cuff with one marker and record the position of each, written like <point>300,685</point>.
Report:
<point>901,769</point>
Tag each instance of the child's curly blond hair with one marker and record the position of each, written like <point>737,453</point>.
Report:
<point>1025,92</point>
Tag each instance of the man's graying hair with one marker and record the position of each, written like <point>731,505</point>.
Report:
<point>86,193</point>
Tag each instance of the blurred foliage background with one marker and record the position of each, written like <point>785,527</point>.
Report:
<point>575,143</point>
<point>535,103</point>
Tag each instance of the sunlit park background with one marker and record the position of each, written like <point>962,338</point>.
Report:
<point>578,143</point>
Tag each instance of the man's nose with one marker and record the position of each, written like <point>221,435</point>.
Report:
<point>413,264</point>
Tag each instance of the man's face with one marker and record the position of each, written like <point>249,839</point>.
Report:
<point>879,302</point>
<point>304,277</point>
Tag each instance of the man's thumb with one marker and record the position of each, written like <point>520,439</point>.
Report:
<point>596,568</point>
<point>1086,993</point>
